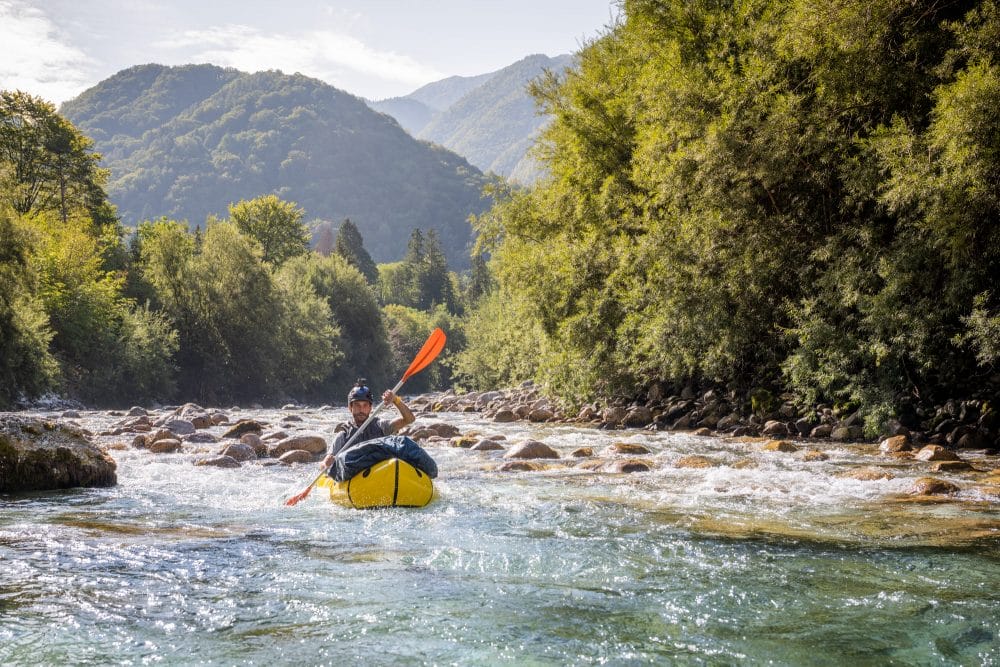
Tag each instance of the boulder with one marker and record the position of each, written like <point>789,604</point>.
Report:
<point>165,446</point>
<point>896,443</point>
<point>239,451</point>
<point>37,455</point>
<point>444,429</point>
<point>773,428</point>
<point>463,441</point>
<point>952,466</point>
<point>868,474</point>
<point>638,417</point>
<point>296,456</point>
<point>936,453</point>
<point>624,448</point>
<point>253,441</point>
<point>180,426</point>
<point>779,446</point>
<point>202,421</point>
<point>540,415</point>
<point>931,486</point>
<point>582,452</point>
<point>136,411</point>
<point>519,466</point>
<point>310,442</point>
<point>703,432</point>
<point>626,466</point>
<point>243,426</point>
<point>531,449</point>
<point>815,455</point>
<point>218,462</point>
<point>842,433</point>
<point>614,415</point>
<point>821,431</point>
<point>201,437</point>
<point>694,462</point>
<point>487,445</point>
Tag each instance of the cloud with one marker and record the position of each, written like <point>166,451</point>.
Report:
<point>34,57</point>
<point>338,59</point>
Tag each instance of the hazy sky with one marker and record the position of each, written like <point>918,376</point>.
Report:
<point>374,48</point>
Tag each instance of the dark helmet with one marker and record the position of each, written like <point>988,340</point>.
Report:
<point>360,392</point>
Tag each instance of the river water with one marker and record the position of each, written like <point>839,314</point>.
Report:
<point>762,558</point>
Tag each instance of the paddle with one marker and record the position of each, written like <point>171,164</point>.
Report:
<point>431,349</point>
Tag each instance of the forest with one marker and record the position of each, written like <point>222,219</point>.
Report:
<point>773,197</point>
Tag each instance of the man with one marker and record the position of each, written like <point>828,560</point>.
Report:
<point>359,402</point>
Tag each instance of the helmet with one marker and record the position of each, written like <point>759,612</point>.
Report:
<point>360,393</point>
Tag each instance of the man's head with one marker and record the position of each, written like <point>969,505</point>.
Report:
<point>359,402</point>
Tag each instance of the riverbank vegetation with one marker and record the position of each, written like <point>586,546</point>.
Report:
<point>772,196</point>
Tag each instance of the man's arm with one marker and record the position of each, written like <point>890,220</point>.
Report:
<point>338,443</point>
<point>405,415</point>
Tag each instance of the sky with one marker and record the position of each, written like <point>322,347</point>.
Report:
<point>376,49</point>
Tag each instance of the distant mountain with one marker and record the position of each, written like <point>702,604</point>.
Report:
<point>184,142</point>
<point>489,119</point>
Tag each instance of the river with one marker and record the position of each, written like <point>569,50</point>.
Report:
<point>762,558</point>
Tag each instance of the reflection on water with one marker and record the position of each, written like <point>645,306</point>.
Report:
<point>761,557</point>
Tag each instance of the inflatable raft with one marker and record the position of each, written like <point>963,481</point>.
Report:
<point>389,483</point>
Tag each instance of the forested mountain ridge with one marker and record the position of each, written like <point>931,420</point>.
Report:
<point>184,142</point>
<point>490,119</point>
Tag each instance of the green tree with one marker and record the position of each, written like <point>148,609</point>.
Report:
<point>350,246</point>
<point>45,163</point>
<point>275,224</point>
<point>26,365</point>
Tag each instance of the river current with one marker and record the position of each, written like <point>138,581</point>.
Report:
<point>762,558</point>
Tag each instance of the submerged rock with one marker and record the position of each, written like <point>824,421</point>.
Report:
<point>243,426</point>
<point>931,486</point>
<point>626,448</point>
<point>694,462</point>
<point>531,449</point>
<point>37,455</point>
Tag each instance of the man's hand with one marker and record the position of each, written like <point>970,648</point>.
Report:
<point>328,461</point>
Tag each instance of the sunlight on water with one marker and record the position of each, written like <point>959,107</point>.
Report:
<point>762,557</point>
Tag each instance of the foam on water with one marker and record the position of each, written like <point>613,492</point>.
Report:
<point>777,560</point>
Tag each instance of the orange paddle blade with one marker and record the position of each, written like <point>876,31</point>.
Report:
<point>428,353</point>
<point>299,496</point>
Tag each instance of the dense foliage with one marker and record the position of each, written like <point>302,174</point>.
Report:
<point>784,194</point>
<point>185,142</point>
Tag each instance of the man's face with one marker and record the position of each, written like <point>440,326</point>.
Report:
<point>360,410</point>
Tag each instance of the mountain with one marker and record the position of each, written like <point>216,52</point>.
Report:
<point>489,119</point>
<point>184,142</point>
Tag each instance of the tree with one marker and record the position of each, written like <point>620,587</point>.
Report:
<point>46,164</point>
<point>324,239</point>
<point>351,247</point>
<point>275,224</point>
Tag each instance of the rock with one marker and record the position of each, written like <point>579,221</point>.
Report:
<point>253,441</point>
<point>638,417</point>
<point>952,466</point>
<point>779,446</point>
<point>201,438</point>
<point>626,466</point>
<point>504,416</point>
<point>289,406</point>
<point>728,423</point>
<point>804,427</point>
<point>219,418</point>
<point>773,428</point>
<point>703,432</point>
<point>931,486</point>
<point>165,446</point>
<point>218,462</point>
<point>540,415</point>
<point>243,426</point>
<point>71,414</point>
<point>814,455</point>
<point>287,419</point>
<point>582,452</point>
<point>463,441</point>
<point>821,431</point>
<point>136,411</point>
<point>297,456</point>
<point>531,449</point>
<point>487,445</point>
<point>310,442</point>
<point>587,413</point>
<point>896,443</point>
<point>694,462</point>
<point>841,434</point>
<point>202,421</point>
<point>36,455</point>
<point>444,430</point>
<point>239,451</point>
<point>869,474</point>
<point>139,442</point>
<point>613,415</point>
<point>936,453</point>
<point>626,448</point>
<point>180,426</point>
<point>519,466</point>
